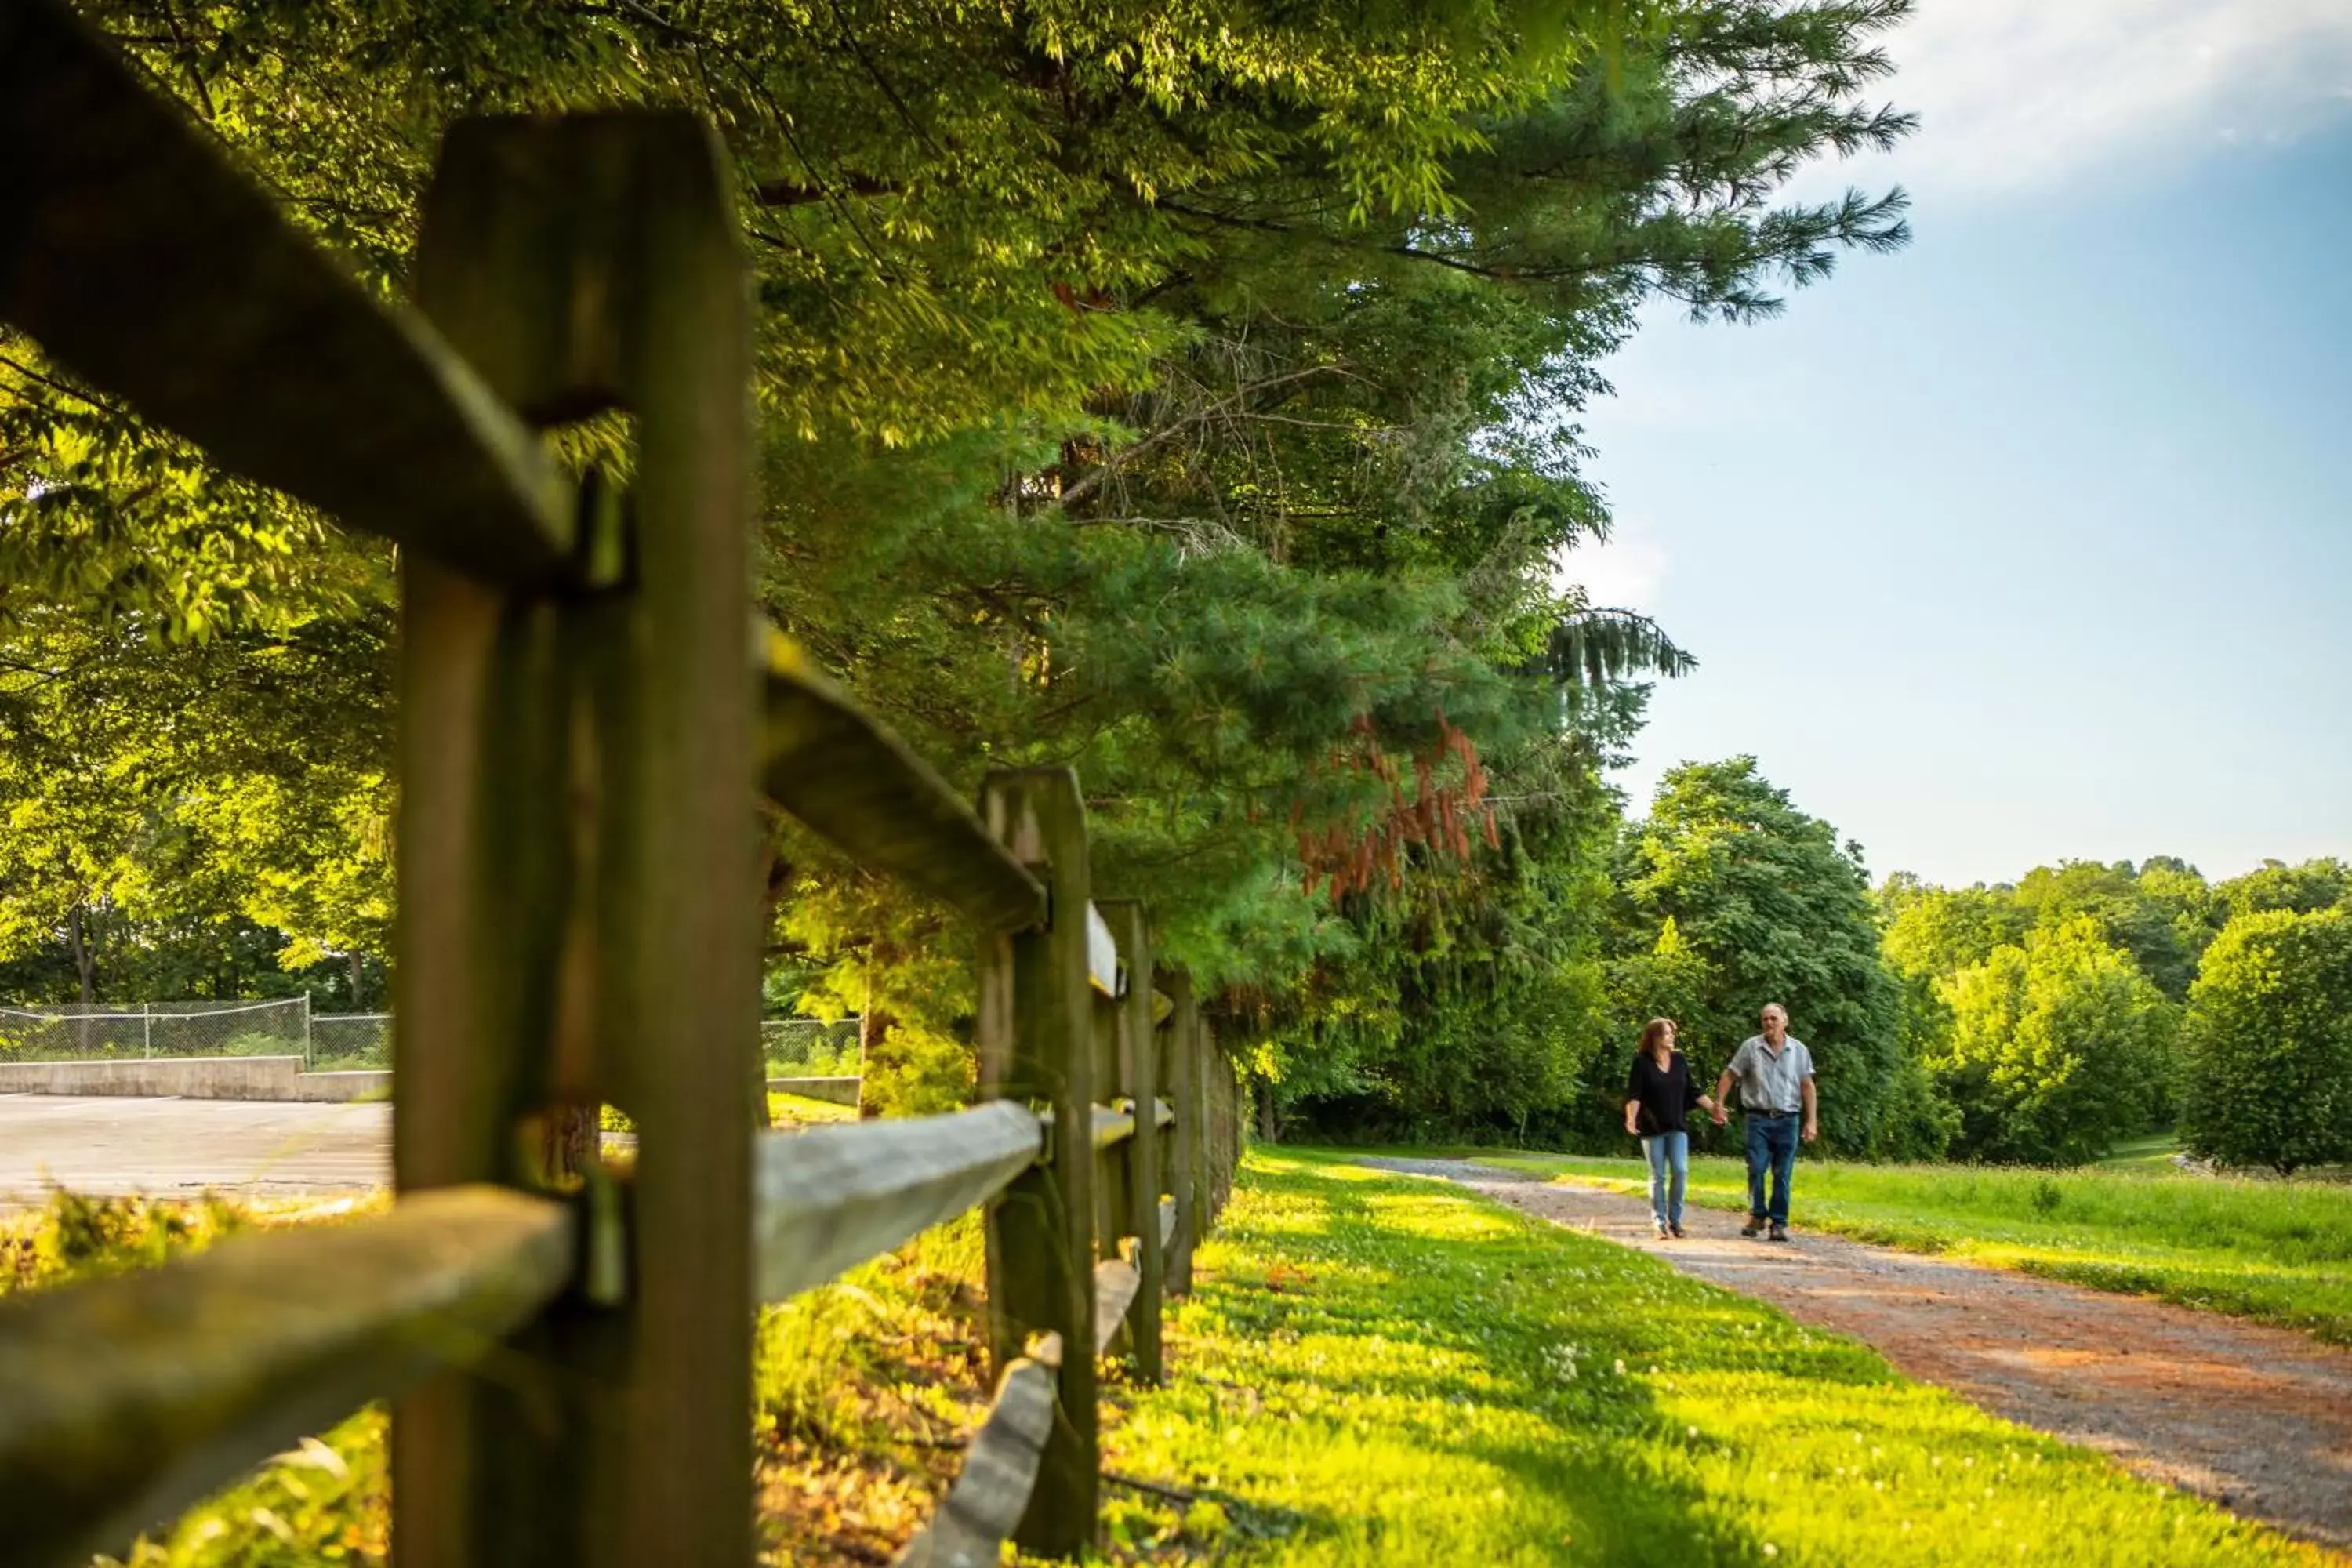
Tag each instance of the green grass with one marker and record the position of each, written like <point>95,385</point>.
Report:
<point>790,1109</point>
<point>1370,1370</point>
<point>2277,1251</point>
<point>2144,1157</point>
<point>1376,1369</point>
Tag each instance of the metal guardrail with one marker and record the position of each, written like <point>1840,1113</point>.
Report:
<point>1103,968</point>
<point>1112,1128</point>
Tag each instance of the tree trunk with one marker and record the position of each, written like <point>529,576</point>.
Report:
<point>359,992</point>
<point>85,957</point>
<point>573,1135</point>
<point>873,1049</point>
<point>776,875</point>
<point>79,939</point>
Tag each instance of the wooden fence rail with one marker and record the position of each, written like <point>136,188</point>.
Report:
<point>584,736</point>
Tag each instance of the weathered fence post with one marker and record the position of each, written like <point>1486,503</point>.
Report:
<point>579,877</point>
<point>1219,1074</point>
<point>1111,1163</point>
<point>1179,1069</point>
<point>1138,1078</point>
<point>1237,1137</point>
<point>1037,1045</point>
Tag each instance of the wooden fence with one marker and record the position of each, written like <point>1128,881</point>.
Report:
<point>585,704</point>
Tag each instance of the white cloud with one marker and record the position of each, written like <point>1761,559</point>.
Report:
<point>2020,93</point>
<point>1625,574</point>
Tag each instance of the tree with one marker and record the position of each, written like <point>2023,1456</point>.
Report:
<point>201,820</point>
<point>2057,1049</point>
<point>1932,931</point>
<point>1777,910</point>
<point>2266,1067</point>
<point>1190,400</point>
<point>1468,1000</point>
<point>2274,885</point>
<point>2151,929</point>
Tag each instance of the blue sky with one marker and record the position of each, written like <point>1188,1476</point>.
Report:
<point>2034,541</point>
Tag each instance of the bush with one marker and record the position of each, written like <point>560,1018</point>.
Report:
<point>2266,1074</point>
<point>77,1238</point>
<point>2057,1050</point>
<point>917,1071</point>
<point>1921,1122</point>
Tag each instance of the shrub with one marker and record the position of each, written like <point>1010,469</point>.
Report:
<point>2266,1073</point>
<point>2057,1049</point>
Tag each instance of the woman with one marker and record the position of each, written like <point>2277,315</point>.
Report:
<point>1658,1095</point>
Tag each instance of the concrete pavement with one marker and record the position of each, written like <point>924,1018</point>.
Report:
<point>179,1148</point>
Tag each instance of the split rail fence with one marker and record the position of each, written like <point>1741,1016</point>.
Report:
<point>586,706</point>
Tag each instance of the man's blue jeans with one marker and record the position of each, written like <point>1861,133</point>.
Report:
<point>1771,1140</point>
<point>1669,1153</point>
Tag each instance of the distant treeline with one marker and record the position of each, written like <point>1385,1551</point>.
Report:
<point>2039,1022</point>
<point>2090,1003</point>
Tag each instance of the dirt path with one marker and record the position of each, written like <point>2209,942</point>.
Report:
<point>2258,1419</point>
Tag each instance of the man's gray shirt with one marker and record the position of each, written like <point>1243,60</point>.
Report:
<point>1770,1082</point>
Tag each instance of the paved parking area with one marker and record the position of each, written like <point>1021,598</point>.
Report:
<point>181,1147</point>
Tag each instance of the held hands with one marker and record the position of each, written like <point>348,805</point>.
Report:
<point>1813,1131</point>
<point>1720,1116</point>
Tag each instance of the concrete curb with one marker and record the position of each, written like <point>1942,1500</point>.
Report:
<point>194,1078</point>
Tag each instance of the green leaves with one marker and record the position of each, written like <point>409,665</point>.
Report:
<point>161,800</point>
<point>1184,391</point>
<point>2059,1049</point>
<point>2266,1069</point>
<point>1772,908</point>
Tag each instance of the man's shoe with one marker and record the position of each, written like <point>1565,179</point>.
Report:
<point>1660,1225</point>
<point>1677,1231</point>
<point>1779,1233</point>
<point>1755,1225</point>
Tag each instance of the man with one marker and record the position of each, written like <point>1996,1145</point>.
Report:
<point>1775,1074</point>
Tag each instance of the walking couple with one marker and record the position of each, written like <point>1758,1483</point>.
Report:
<point>1775,1075</point>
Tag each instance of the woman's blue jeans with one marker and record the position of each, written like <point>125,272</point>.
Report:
<point>1669,1156</point>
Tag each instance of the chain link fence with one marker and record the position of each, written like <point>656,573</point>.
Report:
<point>811,1047</point>
<point>111,1031</point>
<point>341,1042</point>
<point>327,1042</point>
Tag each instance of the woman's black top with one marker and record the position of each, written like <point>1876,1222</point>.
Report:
<point>1666,1094</point>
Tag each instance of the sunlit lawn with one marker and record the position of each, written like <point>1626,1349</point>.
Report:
<point>2280,1251</point>
<point>1372,1368</point>
<point>1377,1370</point>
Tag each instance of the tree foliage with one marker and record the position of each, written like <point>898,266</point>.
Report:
<point>1964,955</point>
<point>2267,1061</point>
<point>1776,909</point>
<point>2057,1050</point>
<point>195,820</point>
<point>1187,396</point>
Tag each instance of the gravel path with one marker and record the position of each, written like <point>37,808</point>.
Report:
<point>2258,1419</point>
